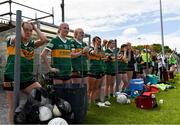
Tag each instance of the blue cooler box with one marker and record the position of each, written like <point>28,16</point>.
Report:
<point>136,84</point>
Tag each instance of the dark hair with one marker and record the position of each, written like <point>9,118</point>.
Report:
<point>96,37</point>
<point>123,45</point>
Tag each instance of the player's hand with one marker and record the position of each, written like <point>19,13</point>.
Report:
<point>85,50</point>
<point>54,70</point>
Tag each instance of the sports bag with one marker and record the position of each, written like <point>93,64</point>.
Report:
<point>146,101</point>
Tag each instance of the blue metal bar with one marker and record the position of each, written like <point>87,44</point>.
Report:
<point>53,15</point>
<point>17,60</point>
<point>116,67</point>
<point>162,31</point>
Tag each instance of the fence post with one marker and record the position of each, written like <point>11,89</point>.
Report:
<point>116,67</point>
<point>17,60</point>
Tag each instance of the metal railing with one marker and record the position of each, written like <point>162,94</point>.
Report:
<point>50,29</point>
<point>11,22</point>
<point>10,13</point>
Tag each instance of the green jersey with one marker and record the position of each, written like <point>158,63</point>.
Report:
<point>122,63</point>
<point>61,55</point>
<point>110,63</point>
<point>122,67</point>
<point>138,60</point>
<point>26,61</point>
<point>79,63</point>
<point>95,60</point>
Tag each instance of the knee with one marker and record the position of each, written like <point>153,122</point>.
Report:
<point>10,109</point>
<point>90,88</point>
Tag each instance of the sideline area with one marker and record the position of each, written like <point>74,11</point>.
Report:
<point>166,113</point>
<point>71,77</point>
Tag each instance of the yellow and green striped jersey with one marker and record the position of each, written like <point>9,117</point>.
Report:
<point>26,61</point>
<point>61,55</point>
<point>79,63</point>
<point>96,65</point>
<point>110,63</point>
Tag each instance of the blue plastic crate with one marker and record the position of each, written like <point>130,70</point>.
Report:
<point>136,84</point>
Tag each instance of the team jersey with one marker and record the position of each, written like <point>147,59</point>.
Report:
<point>95,60</point>
<point>131,61</point>
<point>122,65</point>
<point>139,60</point>
<point>79,63</point>
<point>26,61</point>
<point>110,63</point>
<point>61,55</point>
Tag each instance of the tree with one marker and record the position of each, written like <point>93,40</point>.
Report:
<point>156,47</point>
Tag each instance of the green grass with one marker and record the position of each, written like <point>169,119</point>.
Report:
<point>166,113</point>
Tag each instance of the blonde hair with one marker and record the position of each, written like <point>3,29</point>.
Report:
<point>61,25</point>
<point>76,31</point>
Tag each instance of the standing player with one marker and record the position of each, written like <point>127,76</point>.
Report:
<point>28,46</point>
<point>110,69</point>
<point>60,48</point>
<point>79,62</point>
<point>96,70</point>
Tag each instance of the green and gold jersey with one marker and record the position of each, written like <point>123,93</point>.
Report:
<point>26,61</point>
<point>139,60</point>
<point>79,63</point>
<point>61,55</point>
<point>122,65</point>
<point>110,63</point>
<point>96,65</point>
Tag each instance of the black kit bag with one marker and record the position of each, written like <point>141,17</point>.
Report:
<point>76,95</point>
<point>28,113</point>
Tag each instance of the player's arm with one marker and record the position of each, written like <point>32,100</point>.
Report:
<point>44,57</point>
<point>41,37</point>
